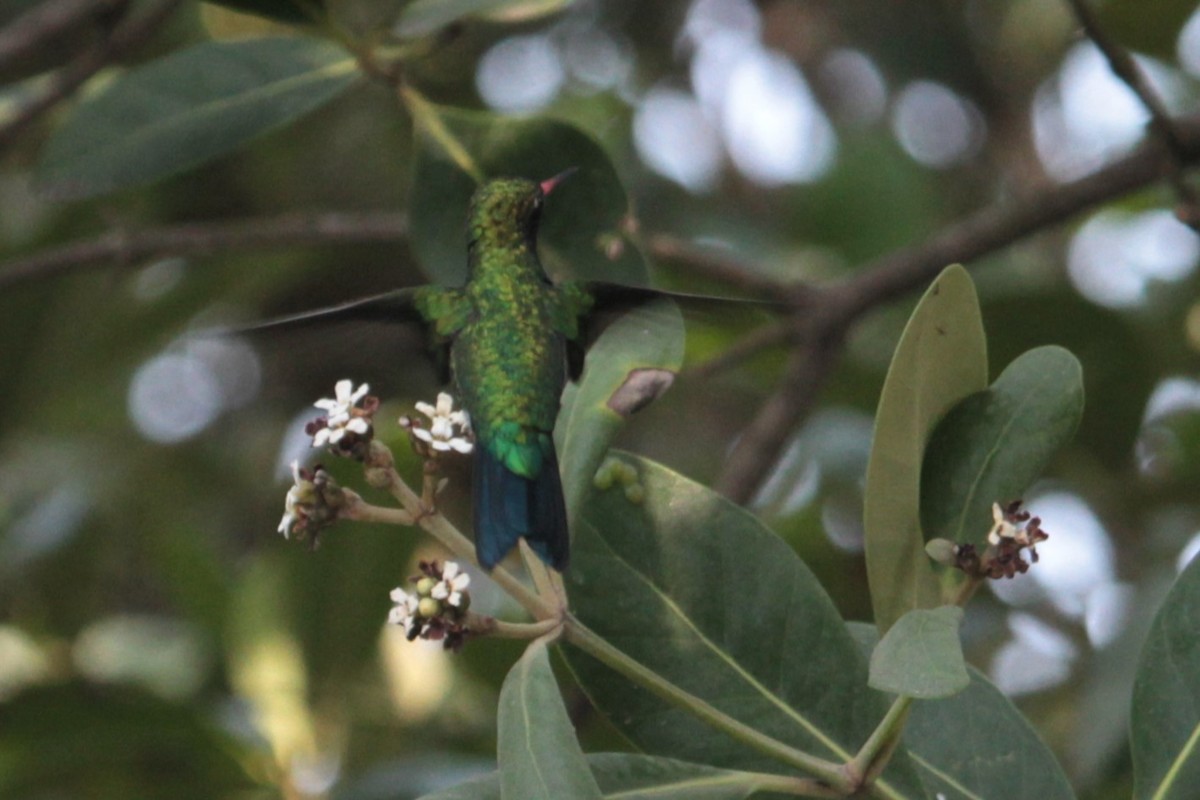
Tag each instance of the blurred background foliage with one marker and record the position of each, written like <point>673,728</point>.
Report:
<point>159,639</point>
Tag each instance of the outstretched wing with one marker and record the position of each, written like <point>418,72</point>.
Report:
<point>611,300</point>
<point>397,310</point>
<point>397,306</point>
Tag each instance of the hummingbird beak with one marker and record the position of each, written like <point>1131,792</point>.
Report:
<point>549,184</point>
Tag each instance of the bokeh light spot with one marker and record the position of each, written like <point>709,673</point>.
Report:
<point>675,139</point>
<point>935,125</point>
<point>1115,256</point>
<point>521,73</point>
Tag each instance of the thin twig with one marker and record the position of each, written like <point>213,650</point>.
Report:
<point>199,239</point>
<point>132,33</point>
<point>1130,72</point>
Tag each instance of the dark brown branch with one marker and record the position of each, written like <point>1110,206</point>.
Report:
<point>132,33</point>
<point>1127,69</point>
<point>198,239</point>
<point>994,228</point>
<point>904,270</point>
<point>764,440</point>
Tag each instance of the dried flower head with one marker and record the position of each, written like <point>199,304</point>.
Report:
<point>1013,532</point>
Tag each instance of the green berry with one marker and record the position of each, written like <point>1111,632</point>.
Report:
<point>425,586</point>
<point>429,608</point>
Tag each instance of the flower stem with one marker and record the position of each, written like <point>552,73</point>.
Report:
<point>489,626</point>
<point>447,534</point>
<point>829,773</point>
<point>868,764</point>
<point>428,118</point>
<point>966,590</point>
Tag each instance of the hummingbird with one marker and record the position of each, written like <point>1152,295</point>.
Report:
<point>513,339</point>
<point>508,330</point>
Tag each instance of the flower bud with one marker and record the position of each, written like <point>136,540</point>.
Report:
<point>943,551</point>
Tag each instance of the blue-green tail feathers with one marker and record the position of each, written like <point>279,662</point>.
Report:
<point>509,506</point>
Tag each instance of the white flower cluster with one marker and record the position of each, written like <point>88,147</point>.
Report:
<point>341,415</point>
<point>437,610</point>
<point>448,429</point>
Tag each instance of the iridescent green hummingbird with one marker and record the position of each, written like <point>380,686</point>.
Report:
<point>514,339</point>
<point>508,330</point>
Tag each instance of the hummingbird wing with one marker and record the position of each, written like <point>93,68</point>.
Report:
<point>610,300</point>
<point>396,308</point>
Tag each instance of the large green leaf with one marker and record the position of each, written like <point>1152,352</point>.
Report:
<point>698,590</point>
<point>941,358</point>
<point>921,655</point>
<point>538,753</point>
<point>647,343</point>
<point>190,107</point>
<point>422,17</point>
<point>976,745</point>
<point>994,444</point>
<point>582,219</point>
<point>1165,725</point>
<point>630,776</point>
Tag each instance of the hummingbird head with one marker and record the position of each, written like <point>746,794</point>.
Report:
<point>505,212</point>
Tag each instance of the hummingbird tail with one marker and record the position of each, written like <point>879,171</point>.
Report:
<point>509,506</point>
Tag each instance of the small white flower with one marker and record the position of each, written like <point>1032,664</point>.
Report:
<point>452,585</point>
<point>404,613</point>
<point>345,396</point>
<point>448,429</point>
<point>1001,527</point>
<point>292,511</point>
<point>341,416</point>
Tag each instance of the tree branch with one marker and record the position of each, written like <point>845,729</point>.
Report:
<point>909,268</point>
<point>199,239</point>
<point>63,83</point>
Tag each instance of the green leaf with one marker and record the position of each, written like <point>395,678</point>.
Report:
<point>976,745</point>
<point>631,776</point>
<point>1165,724</point>
<point>180,111</point>
<point>1149,26</point>
<point>292,12</point>
<point>582,220</point>
<point>538,753</point>
<point>698,590</point>
<point>994,444</point>
<point>921,655</point>
<point>423,17</point>
<point>647,341</point>
<point>941,358</point>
